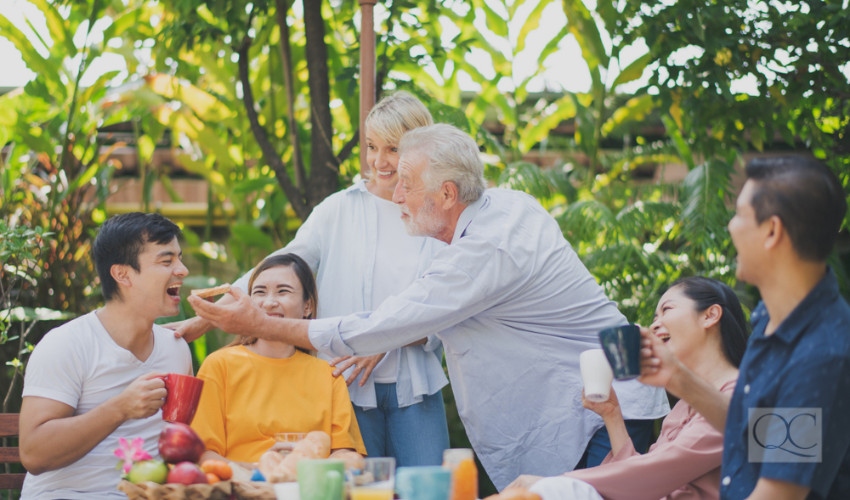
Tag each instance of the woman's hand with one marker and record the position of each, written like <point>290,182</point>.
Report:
<point>658,364</point>
<point>362,365</point>
<point>524,481</point>
<point>605,409</point>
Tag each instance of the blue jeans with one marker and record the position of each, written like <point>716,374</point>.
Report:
<point>414,435</point>
<point>600,444</point>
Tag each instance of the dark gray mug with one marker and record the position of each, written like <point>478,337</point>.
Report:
<point>621,345</point>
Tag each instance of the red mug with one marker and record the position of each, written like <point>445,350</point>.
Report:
<point>181,402</point>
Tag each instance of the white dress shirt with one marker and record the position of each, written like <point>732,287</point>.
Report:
<point>514,307</point>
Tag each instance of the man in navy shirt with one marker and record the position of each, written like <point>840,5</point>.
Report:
<point>787,426</point>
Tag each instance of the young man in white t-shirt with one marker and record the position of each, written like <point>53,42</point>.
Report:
<point>96,379</point>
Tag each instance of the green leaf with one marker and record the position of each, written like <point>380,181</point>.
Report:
<point>32,58</point>
<point>541,125</point>
<point>253,185</point>
<point>678,141</point>
<point>495,22</point>
<point>583,27</point>
<point>57,26</point>
<point>634,70</point>
<point>635,110</point>
<point>553,45</point>
<point>252,236</point>
<point>531,24</point>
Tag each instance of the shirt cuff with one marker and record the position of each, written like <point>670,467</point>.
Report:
<point>433,343</point>
<point>325,337</point>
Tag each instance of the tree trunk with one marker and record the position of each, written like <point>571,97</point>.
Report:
<point>324,165</point>
<point>296,198</point>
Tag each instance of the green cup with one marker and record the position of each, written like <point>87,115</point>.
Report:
<point>321,479</point>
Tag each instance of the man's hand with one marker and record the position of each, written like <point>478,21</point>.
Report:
<point>143,397</point>
<point>362,365</point>
<point>658,364</point>
<point>525,481</point>
<point>239,316</point>
<point>190,329</point>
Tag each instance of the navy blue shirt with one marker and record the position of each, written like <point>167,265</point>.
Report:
<point>802,371</point>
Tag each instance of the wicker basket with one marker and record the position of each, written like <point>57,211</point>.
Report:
<point>222,490</point>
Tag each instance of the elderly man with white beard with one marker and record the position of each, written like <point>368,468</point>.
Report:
<point>513,305</point>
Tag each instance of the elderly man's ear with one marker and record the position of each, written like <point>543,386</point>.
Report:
<point>448,195</point>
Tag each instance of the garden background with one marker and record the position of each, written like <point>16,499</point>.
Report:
<point>255,104</point>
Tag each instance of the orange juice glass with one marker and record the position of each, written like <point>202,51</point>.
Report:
<point>461,461</point>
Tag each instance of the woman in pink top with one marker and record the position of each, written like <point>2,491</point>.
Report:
<point>703,324</point>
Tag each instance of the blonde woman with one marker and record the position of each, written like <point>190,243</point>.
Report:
<point>356,244</point>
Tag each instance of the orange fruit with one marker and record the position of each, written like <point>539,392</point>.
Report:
<point>220,468</point>
<point>212,478</point>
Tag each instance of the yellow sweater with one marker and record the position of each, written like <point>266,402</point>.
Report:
<point>248,398</point>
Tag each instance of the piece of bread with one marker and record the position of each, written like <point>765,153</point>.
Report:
<point>317,444</point>
<point>352,459</point>
<point>279,468</point>
<point>211,292</point>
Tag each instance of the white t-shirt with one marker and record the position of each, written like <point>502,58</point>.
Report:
<point>392,242</point>
<point>80,365</point>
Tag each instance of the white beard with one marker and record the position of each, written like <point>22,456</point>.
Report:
<point>426,223</point>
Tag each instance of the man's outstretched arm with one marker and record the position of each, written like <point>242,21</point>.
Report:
<point>240,316</point>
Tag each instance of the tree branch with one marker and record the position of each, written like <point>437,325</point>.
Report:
<point>289,86</point>
<point>269,154</point>
<point>347,149</point>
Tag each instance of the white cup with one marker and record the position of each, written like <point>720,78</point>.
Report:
<point>287,491</point>
<point>596,374</point>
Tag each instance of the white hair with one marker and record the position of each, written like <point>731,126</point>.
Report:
<point>452,156</point>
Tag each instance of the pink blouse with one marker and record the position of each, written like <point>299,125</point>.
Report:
<point>684,463</point>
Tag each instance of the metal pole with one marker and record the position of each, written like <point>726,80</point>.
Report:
<point>367,73</point>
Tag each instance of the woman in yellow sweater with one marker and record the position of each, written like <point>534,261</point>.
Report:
<point>255,388</point>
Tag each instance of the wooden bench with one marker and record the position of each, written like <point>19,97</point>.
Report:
<point>10,454</point>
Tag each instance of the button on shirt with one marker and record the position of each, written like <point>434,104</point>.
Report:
<point>805,364</point>
<point>514,307</point>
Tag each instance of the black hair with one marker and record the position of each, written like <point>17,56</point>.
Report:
<point>806,195</point>
<point>734,329</point>
<point>305,276</point>
<point>120,241</point>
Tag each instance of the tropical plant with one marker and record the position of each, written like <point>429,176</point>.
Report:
<point>283,70</point>
<point>743,75</point>
<point>55,174</point>
<point>20,249</point>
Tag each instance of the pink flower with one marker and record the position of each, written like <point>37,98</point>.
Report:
<point>131,452</point>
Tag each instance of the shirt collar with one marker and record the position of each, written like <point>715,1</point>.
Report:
<point>824,293</point>
<point>468,214</point>
<point>358,185</point>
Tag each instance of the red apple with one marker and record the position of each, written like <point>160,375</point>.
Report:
<point>179,443</point>
<point>186,473</point>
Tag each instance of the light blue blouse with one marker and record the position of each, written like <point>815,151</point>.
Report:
<point>514,307</point>
<point>338,242</point>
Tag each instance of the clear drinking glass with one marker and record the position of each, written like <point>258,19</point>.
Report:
<point>376,481</point>
<point>288,440</point>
